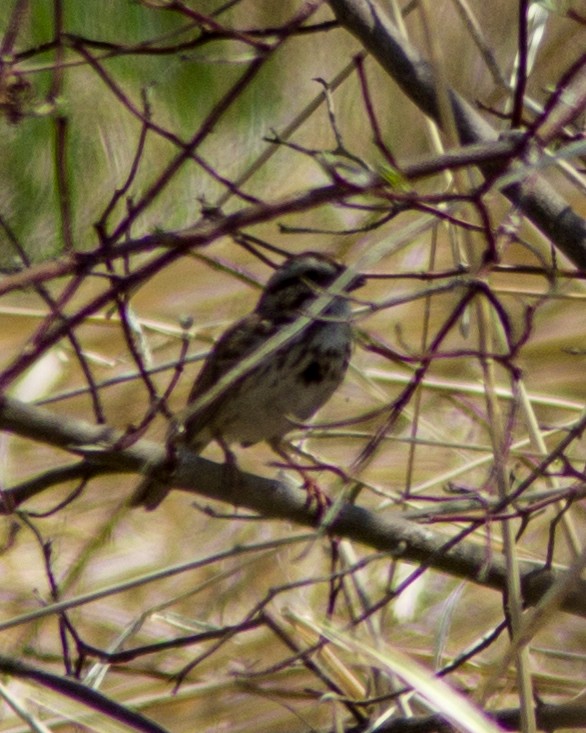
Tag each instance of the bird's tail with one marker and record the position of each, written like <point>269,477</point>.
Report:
<point>150,492</point>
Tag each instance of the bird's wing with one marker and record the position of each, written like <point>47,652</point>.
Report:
<point>190,427</point>
<point>236,344</point>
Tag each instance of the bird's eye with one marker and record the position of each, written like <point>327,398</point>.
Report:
<point>311,277</point>
<point>321,278</point>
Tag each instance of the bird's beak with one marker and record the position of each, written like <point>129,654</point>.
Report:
<point>356,283</point>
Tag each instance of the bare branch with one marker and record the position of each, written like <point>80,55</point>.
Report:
<point>270,498</point>
<point>536,198</point>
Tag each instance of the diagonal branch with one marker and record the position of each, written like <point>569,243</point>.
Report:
<point>401,538</point>
<point>548,211</point>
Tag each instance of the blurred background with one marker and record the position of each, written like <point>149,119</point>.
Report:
<point>100,97</point>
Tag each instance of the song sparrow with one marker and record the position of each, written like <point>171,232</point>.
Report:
<point>282,387</point>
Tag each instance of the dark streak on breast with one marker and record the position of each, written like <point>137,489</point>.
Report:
<point>313,373</point>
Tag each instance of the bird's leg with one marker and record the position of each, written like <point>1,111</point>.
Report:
<point>314,494</point>
<point>230,467</point>
<point>310,485</point>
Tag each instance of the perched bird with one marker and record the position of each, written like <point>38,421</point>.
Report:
<point>283,387</point>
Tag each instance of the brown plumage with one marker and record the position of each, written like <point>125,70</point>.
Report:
<point>284,387</point>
